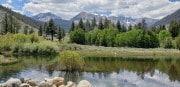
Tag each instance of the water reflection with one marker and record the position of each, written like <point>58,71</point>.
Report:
<point>102,72</point>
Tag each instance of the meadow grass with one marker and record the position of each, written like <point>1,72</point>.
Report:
<point>123,52</point>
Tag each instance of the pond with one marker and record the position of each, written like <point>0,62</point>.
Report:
<point>101,72</point>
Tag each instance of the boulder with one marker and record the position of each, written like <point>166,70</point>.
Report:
<point>70,84</point>
<point>84,83</point>
<point>12,82</point>
<point>62,86</point>
<point>28,81</point>
<point>45,84</point>
<point>32,83</point>
<point>58,81</point>
<point>25,85</point>
<point>3,85</point>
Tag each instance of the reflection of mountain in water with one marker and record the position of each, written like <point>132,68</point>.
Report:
<point>98,70</point>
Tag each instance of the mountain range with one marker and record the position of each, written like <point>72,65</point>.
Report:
<point>66,24</point>
<point>166,20</point>
<point>41,18</point>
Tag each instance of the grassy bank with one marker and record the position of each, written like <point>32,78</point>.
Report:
<point>100,51</point>
<point>7,60</point>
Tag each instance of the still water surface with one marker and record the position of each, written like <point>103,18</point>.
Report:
<point>101,72</point>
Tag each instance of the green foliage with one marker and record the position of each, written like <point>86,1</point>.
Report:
<point>137,38</point>
<point>51,28</point>
<point>173,29</point>
<point>61,34</point>
<point>33,38</point>
<point>71,61</point>
<point>127,38</point>
<point>26,44</point>
<point>101,25</point>
<point>81,24</point>
<point>40,31</point>
<point>77,36</point>
<point>43,48</point>
<point>118,26</point>
<point>94,23</point>
<point>168,43</point>
<point>10,24</point>
<point>72,26</point>
<point>25,31</point>
<point>163,34</point>
<point>31,31</point>
<point>162,37</point>
<point>177,39</point>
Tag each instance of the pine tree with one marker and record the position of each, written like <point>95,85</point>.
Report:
<point>88,25</point>
<point>106,23</point>
<point>5,24</point>
<point>173,29</point>
<point>72,26</point>
<point>124,28</point>
<point>129,27</point>
<point>16,27</point>
<point>143,24</point>
<point>40,31</point>
<point>10,27</point>
<point>59,34</point>
<point>94,23</point>
<point>81,24</point>
<point>101,26</point>
<point>118,26</point>
<point>26,28</point>
<point>51,28</point>
<point>31,31</point>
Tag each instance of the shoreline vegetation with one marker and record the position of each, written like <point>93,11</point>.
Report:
<point>126,52</point>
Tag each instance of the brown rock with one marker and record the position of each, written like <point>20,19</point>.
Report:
<point>70,84</point>
<point>25,85</point>
<point>84,83</point>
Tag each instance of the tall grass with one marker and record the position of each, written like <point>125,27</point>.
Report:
<point>21,44</point>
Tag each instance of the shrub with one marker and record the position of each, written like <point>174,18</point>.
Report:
<point>44,48</point>
<point>167,43</point>
<point>177,39</point>
<point>71,61</point>
<point>77,36</point>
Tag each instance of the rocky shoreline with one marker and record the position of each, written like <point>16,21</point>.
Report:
<point>54,82</point>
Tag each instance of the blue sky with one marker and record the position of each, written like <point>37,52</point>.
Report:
<point>68,8</point>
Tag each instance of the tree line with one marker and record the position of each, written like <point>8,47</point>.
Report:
<point>12,25</point>
<point>106,33</point>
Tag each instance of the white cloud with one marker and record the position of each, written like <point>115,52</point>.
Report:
<point>9,1</point>
<point>7,5</point>
<point>134,8</point>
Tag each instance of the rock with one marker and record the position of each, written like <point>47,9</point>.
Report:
<point>3,85</point>
<point>70,84</point>
<point>62,86</point>
<point>24,80</point>
<point>58,81</point>
<point>32,83</point>
<point>25,85</point>
<point>54,85</point>
<point>84,83</point>
<point>45,84</point>
<point>12,82</point>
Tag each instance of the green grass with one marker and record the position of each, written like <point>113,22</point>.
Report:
<point>99,51</point>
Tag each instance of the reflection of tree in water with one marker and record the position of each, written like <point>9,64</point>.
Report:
<point>71,76</point>
<point>173,73</point>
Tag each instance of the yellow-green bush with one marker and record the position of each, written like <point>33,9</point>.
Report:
<point>71,61</point>
<point>44,48</point>
<point>26,44</point>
